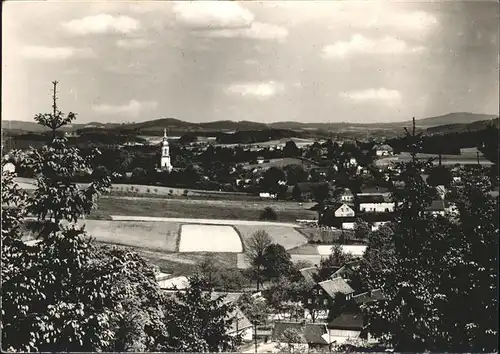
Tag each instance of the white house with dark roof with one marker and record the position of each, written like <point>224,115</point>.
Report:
<point>383,150</point>
<point>341,210</point>
<point>375,204</point>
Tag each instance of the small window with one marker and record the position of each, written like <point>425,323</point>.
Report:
<point>325,302</point>
<point>320,292</point>
<point>309,301</point>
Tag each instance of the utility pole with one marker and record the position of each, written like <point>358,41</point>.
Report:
<point>477,155</point>
<point>255,334</point>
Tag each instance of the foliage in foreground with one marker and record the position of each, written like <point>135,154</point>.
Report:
<point>439,275</point>
<point>66,293</point>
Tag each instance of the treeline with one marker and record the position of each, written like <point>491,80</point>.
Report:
<point>255,136</point>
<point>451,143</point>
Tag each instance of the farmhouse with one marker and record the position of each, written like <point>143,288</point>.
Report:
<point>310,335</point>
<point>346,196</point>
<point>322,296</point>
<point>375,204</point>
<point>341,210</point>
<point>383,150</point>
<point>350,323</point>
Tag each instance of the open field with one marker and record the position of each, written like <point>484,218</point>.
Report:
<point>138,190</point>
<point>209,238</point>
<point>286,236</point>
<point>144,234</point>
<point>178,264</point>
<point>203,209</point>
<point>280,163</point>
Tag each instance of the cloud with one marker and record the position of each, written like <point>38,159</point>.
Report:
<point>212,14</point>
<point>102,24</point>
<point>257,30</point>
<point>132,108</point>
<point>133,43</point>
<point>224,19</point>
<point>362,45</point>
<point>261,90</point>
<point>55,53</point>
<point>389,97</point>
<point>409,21</point>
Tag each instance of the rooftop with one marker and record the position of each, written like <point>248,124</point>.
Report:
<point>347,321</point>
<point>313,333</point>
<point>368,296</point>
<point>309,274</point>
<point>336,285</point>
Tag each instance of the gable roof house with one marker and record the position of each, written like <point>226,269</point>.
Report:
<point>335,286</point>
<point>346,196</point>
<point>341,210</point>
<point>310,335</point>
<point>351,322</point>
<point>321,297</point>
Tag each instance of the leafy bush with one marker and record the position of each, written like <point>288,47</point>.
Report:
<point>268,214</point>
<point>185,193</point>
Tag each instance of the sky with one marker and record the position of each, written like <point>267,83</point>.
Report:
<point>315,61</point>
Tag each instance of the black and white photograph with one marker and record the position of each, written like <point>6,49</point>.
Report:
<point>250,176</point>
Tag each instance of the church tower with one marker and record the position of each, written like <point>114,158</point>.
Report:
<point>165,163</point>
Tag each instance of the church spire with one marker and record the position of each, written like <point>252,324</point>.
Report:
<point>165,133</point>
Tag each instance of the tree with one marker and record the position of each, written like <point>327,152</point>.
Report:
<point>255,248</point>
<point>138,174</point>
<point>274,181</point>
<point>197,320</point>
<point>291,149</point>
<point>437,266</point>
<point>335,260</point>
<point>440,175</point>
<point>208,272</point>
<point>276,262</point>
<point>295,174</point>
<point>268,214</point>
<point>64,293</point>
<point>296,193</point>
<point>321,193</point>
<point>361,229</point>
<point>293,340</point>
<point>67,293</point>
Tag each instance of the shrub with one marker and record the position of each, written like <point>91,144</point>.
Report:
<point>185,193</point>
<point>268,214</point>
<point>171,192</point>
<point>156,190</point>
<point>147,190</point>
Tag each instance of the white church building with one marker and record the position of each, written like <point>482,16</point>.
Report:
<point>165,163</point>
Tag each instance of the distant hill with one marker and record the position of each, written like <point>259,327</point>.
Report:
<point>457,128</point>
<point>452,118</point>
<point>176,125</point>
